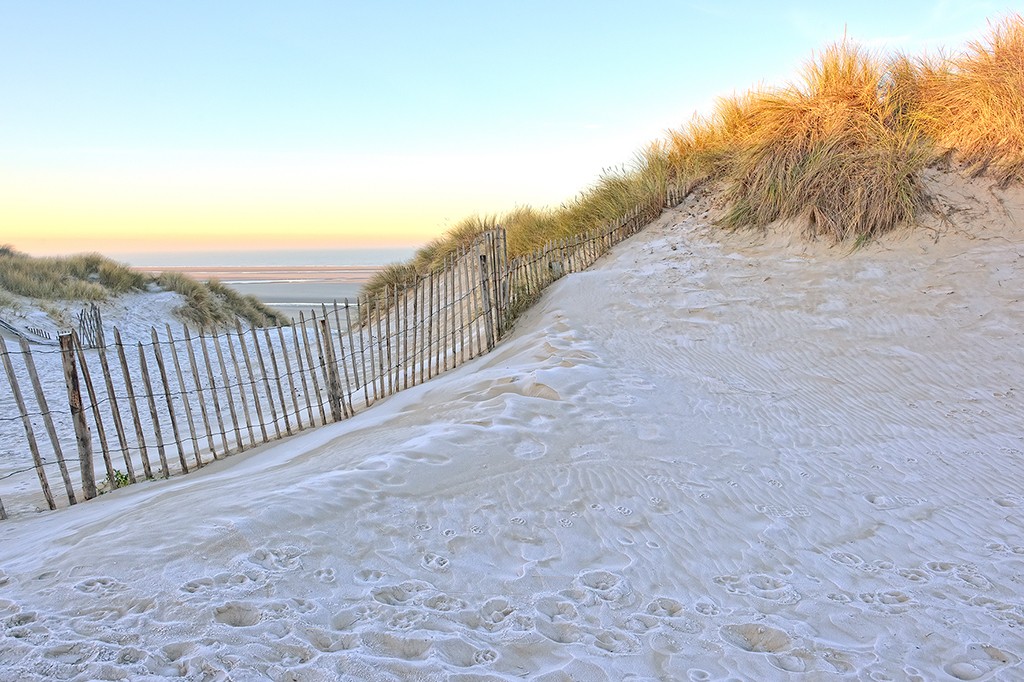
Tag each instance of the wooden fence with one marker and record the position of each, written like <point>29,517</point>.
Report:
<point>112,414</point>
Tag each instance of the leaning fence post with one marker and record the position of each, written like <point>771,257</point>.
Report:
<point>100,431</point>
<point>333,383</point>
<point>130,389</point>
<point>83,436</point>
<point>115,410</point>
<point>30,365</point>
<point>33,446</point>
<point>488,311</point>
<point>154,417</point>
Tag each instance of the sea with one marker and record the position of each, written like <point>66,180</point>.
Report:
<point>290,281</point>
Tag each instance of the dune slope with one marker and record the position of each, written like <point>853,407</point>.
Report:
<point>703,458</point>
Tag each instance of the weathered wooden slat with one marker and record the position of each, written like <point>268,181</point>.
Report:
<point>213,394</point>
<point>227,388</point>
<point>278,381</point>
<point>101,432</point>
<point>405,361</point>
<point>346,394</point>
<point>115,409</point>
<point>485,290</point>
<point>193,433</point>
<point>362,352</point>
<point>395,312</point>
<point>169,398</point>
<point>327,359</point>
<point>199,392</point>
<point>379,344</point>
<point>431,317</point>
<point>291,377</point>
<point>415,323</point>
<point>266,380</point>
<point>51,431</point>
<point>252,382</point>
<point>129,387</point>
<point>154,417</point>
<point>389,302</point>
<point>26,423</point>
<point>302,374</point>
<point>312,365</point>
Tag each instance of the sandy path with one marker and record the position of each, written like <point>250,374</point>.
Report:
<point>696,461</point>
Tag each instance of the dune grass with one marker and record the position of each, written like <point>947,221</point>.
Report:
<point>213,304</point>
<point>972,103</point>
<point>830,148</point>
<point>844,147</point>
<point>841,149</point>
<point>88,277</point>
<point>92,277</point>
<point>616,192</point>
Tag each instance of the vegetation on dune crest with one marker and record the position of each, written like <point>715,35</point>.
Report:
<point>843,148</point>
<point>92,277</point>
<point>832,148</point>
<point>614,194</point>
<point>972,104</point>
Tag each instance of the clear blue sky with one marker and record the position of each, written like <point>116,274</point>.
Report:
<point>136,125</point>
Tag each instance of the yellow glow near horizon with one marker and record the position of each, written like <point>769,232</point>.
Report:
<point>137,202</point>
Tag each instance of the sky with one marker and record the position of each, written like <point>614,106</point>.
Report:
<point>132,127</point>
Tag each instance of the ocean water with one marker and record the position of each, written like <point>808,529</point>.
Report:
<point>280,257</point>
<point>291,281</point>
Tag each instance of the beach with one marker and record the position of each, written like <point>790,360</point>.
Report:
<point>288,289</point>
<point>711,456</point>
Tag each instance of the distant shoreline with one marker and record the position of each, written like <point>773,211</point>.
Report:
<point>288,289</point>
<point>348,274</point>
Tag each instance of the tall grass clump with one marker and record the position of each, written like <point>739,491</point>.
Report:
<point>972,103</point>
<point>73,278</point>
<point>213,304</point>
<point>832,148</point>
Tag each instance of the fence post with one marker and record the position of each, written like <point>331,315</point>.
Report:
<point>83,436</point>
<point>33,446</point>
<point>154,417</point>
<point>30,365</point>
<point>312,366</point>
<point>333,383</point>
<point>115,410</point>
<point>168,399</point>
<point>186,401</point>
<point>488,311</point>
<point>100,431</point>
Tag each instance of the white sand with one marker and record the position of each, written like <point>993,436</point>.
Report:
<point>700,460</point>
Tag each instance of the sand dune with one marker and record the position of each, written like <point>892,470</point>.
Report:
<point>710,457</point>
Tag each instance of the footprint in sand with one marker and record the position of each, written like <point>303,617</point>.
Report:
<point>369,575</point>
<point>408,591</point>
<point>761,586</point>
<point>980,660</point>
<point>435,562</point>
<point>606,586</point>
<point>406,620</point>
<point>445,603</point>
<point>1009,500</point>
<point>756,638</point>
<point>99,586</point>
<point>238,614</point>
<point>888,601</point>
<point>281,559</point>
<point>325,575</point>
